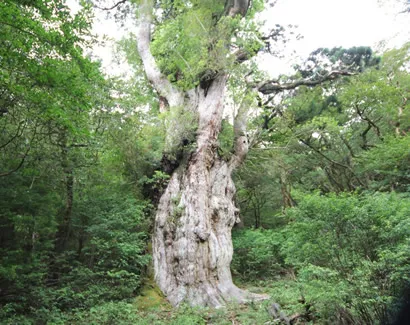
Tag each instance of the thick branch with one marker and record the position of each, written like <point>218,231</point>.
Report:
<point>162,85</point>
<point>241,145</point>
<point>369,121</point>
<point>236,7</point>
<point>348,146</point>
<point>241,55</point>
<point>272,86</point>
<point>405,11</point>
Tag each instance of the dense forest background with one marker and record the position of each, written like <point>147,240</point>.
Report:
<point>324,194</point>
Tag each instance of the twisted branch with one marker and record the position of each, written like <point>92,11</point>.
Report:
<point>273,86</point>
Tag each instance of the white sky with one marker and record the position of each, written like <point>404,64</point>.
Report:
<point>323,23</point>
<point>346,23</point>
<point>328,23</point>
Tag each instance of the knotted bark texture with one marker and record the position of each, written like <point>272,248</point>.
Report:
<point>192,244</point>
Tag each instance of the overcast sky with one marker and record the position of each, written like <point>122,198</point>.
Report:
<point>323,23</point>
<point>327,23</point>
<point>347,23</point>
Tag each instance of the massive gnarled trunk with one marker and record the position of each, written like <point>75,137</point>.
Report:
<point>192,243</point>
<point>192,246</point>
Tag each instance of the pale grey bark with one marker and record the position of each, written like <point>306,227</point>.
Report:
<point>192,245</point>
<point>241,144</point>
<point>236,7</point>
<point>161,84</point>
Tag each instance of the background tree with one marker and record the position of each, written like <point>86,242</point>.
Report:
<point>72,232</point>
<point>353,161</point>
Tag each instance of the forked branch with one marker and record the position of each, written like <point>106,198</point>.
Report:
<point>22,160</point>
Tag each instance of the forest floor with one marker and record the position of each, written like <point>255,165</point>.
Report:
<point>151,308</point>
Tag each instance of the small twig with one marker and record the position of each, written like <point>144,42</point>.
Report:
<point>28,33</point>
<point>113,7</point>
<point>185,61</point>
<point>200,23</point>
<point>19,165</point>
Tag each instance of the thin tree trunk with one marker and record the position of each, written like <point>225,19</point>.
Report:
<point>285,188</point>
<point>63,232</point>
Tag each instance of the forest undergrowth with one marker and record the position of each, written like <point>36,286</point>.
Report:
<point>323,195</point>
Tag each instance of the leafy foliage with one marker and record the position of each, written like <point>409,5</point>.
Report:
<point>184,123</point>
<point>356,58</point>
<point>257,254</point>
<point>337,155</point>
<point>329,175</point>
<point>193,40</point>
<point>348,254</point>
<point>72,232</point>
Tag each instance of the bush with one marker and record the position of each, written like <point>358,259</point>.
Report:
<point>109,266</point>
<point>110,313</point>
<point>355,243</point>
<point>257,253</point>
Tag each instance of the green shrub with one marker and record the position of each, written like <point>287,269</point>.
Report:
<point>356,247</point>
<point>41,284</point>
<point>257,253</point>
<point>110,313</point>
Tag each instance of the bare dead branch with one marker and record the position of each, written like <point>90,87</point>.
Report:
<point>112,7</point>
<point>273,86</point>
